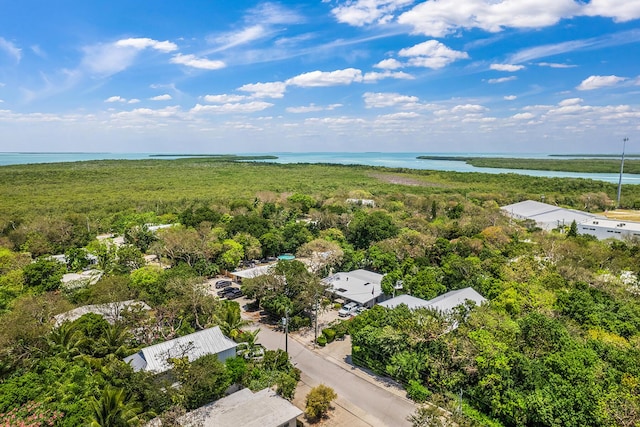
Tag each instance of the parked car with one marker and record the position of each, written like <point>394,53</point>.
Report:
<point>223,293</point>
<point>359,310</point>
<point>233,293</point>
<point>348,309</point>
<point>223,284</point>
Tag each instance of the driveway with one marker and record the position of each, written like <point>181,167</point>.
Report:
<point>369,400</point>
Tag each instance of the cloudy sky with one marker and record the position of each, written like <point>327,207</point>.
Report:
<point>320,75</point>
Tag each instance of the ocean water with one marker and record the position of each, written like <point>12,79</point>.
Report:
<point>392,160</point>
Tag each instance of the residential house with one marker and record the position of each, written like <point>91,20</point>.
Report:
<point>193,346</point>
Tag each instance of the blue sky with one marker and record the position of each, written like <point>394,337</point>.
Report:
<point>320,75</point>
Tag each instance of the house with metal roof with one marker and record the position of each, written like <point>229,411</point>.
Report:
<point>193,346</point>
<point>111,311</point>
<point>360,286</point>
<point>443,303</point>
<point>245,408</point>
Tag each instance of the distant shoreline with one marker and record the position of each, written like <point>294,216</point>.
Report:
<point>607,163</point>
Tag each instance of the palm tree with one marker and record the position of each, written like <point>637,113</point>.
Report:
<point>114,340</point>
<point>113,409</point>
<point>65,340</point>
<point>229,320</point>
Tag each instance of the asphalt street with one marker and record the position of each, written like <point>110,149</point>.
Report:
<point>370,402</point>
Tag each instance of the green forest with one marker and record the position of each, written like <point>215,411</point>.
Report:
<point>557,343</point>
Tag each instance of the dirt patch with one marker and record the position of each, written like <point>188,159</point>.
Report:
<point>623,214</point>
<point>404,180</point>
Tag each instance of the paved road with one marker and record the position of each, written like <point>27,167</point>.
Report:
<point>371,403</point>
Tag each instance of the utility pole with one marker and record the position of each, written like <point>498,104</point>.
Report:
<point>624,142</point>
<point>286,331</point>
<point>315,304</point>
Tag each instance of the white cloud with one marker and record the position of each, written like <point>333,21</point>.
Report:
<point>248,107</point>
<point>362,12</point>
<point>11,49</point>
<point>399,116</point>
<point>224,98</point>
<point>237,38</point>
<point>597,82</point>
<point>326,78</point>
<point>115,99</point>
<point>555,65</point>
<point>468,108</point>
<point>312,108</point>
<point>506,67</point>
<point>111,58</point>
<point>431,54</point>
<point>620,11</point>
<point>502,80</point>
<point>523,116</point>
<point>143,43</point>
<point>440,18</point>
<point>147,113</point>
<point>133,101</point>
<point>510,98</point>
<point>165,97</point>
<point>265,90</point>
<point>374,76</point>
<point>389,64</point>
<point>195,62</point>
<point>269,13</point>
<point>570,101</point>
<point>389,99</point>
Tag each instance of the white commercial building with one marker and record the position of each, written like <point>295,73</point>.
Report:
<point>549,217</point>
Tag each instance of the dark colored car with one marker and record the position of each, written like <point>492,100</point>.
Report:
<point>223,293</point>
<point>233,293</point>
<point>223,284</point>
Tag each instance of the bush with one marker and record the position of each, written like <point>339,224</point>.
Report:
<point>329,333</point>
<point>318,401</point>
<point>417,392</point>
<point>321,340</point>
<point>341,328</point>
<point>297,322</point>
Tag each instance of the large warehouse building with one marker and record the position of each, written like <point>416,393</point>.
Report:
<point>549,217</point>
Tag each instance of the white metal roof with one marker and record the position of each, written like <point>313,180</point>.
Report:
<point>451,299</point>
<point>193,346</point>
<point>250,273</point>
<point>360,286</point>
<point>443,303</point>
<point>408,300</point>
<point>244,409</point>
<point>110,311</point>
<point>545,215</point>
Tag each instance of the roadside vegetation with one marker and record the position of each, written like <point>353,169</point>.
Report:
<point>557,343</point>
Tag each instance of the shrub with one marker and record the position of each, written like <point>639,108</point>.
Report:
<point>341,328</point>
<point>297,322</point>
<point>318,401</point>
<point>329,333</point>
<point>322,340</point>
<point>417,392</point>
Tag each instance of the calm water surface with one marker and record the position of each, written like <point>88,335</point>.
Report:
<point>392,160</point>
